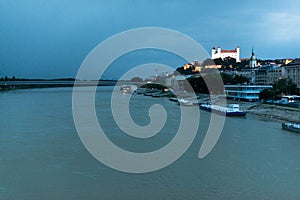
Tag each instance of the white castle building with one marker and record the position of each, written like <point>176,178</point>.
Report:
<point>219,53</point>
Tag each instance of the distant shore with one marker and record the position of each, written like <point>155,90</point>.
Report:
<point>41,83</point>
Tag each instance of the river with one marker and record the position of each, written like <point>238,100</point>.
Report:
<point>42,156</point>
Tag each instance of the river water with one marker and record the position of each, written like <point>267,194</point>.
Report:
<point>42,157</point>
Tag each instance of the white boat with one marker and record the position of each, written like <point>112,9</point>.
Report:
<point>125,89</point>
<point>230,110</point>
<point>291,127</point>
<point>185,102</point>
<point>192,101</point>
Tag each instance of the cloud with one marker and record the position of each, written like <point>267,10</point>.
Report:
<point>281,26</point>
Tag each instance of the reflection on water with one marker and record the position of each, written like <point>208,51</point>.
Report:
<point>43,158</point>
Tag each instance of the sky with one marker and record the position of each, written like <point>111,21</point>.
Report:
<point>50,39</point>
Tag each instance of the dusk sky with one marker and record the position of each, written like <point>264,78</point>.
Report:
<point>50,39</point>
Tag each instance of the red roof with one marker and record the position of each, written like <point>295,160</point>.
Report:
<point>228,51</point>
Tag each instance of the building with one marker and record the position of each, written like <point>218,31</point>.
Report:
<point>267,74</point>
<point>292,71</point>
<point>245,92</point>
<point>248,73</point>
<point>253,60</point>
<point>260,76</point>
<point>219,53</point>
<point>176,82</point>
<point>275,74</point>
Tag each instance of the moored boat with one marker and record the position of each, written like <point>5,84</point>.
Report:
<point>291,127</point>
<point>125,89</point>
<point>230,110</point>
<point>157,94</point>
<point>173,99</point>
<point>161,94</point>
<point>185,102</point>
<point>140,90</point>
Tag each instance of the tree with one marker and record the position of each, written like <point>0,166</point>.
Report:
<point>218,61</point>
<point>285,86</point>
<point>136,79</point>
<point>198,85</point>
<point>239,80</point>
<point>282,86</point>
<point>266,94</point>
<point>227,78</point>
<point>208,62</point>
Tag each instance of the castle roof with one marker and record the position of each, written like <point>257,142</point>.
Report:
<point>228,51</point>
<point>245,59</point>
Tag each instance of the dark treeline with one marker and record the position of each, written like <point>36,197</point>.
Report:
<point>199,84</point>
<point>13,78</point>
<point>281,87</point>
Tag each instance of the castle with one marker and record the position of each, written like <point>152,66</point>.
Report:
<point>225,53</point>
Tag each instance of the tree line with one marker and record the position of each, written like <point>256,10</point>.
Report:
<point>281,87</point>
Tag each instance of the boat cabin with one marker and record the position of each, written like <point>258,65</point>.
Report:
<point>289,98</point>
<point>233,107</point>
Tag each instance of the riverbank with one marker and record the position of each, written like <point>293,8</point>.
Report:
<point>267,111</point>
<point>272,112</point>
<point>275,112</point>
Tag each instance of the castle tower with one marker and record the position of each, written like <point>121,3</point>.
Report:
<point>238,54</point>
<point>253,60</point>
<point>219,52</point>
<point>213,52</point>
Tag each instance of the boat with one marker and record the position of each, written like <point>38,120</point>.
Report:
<point>230,110</point>
<point>150,92</point>
<point>125,89</point>
<point>161,94</point>
<point>173,99</point>
<point>140,90</point>
<point>185,102</point>
<point>291,127</point>
<point>157,94</point>
<point>188,102</point>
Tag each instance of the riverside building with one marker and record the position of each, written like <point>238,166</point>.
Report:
<point>245,92</point>
<point>292,71</point>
